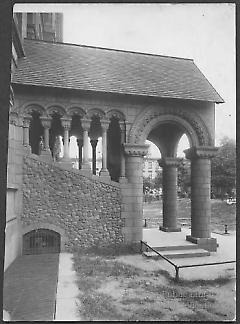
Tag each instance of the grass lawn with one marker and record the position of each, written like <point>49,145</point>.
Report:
<point>111,290</point>
<point>221,214</point>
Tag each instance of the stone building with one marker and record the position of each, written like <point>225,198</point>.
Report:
<point>150,167</point>
<point>124,98</point>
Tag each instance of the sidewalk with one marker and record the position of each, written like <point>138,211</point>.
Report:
<point>30,284</point>
<point>44,287</point>
<point>67,303</point>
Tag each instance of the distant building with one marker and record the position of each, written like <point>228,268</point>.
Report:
<point>150,167</point>
<point>42,26</point>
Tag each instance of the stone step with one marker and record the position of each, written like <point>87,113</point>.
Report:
<point>176,247</point>
<point>178,254</point>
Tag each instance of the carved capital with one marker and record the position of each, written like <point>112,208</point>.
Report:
<point>201,152</point>
<point>13,118</point>
<point>66,122</point>
<point>86,123</point>
<point>122,126</point>
<point>46,121</point>
<point>105,124</point>
<point>26,121</point>
<point>169,161</point>
<point>94,143</point>
<point>136,149</point>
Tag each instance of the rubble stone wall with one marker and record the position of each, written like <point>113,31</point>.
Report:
<point>87,209</point>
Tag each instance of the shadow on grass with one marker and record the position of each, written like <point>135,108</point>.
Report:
<point>202,282</point>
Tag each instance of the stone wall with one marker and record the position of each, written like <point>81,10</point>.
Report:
<point>85,208</point>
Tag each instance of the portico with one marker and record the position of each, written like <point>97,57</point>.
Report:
<point>123,112</point>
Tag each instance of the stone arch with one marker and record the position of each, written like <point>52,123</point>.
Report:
<point>51,227</point>
<point>193,125</point>
<point>31,107</point>
<point>115,113</point>
<point>76,111</point>
<point>96,112</point>
<point>55,109</point>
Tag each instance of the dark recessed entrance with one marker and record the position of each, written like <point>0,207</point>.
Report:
<point>41,241</point>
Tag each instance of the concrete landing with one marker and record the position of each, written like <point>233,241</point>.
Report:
<point>160,239</point>
<point>225,252</point>
<point>171,245</point>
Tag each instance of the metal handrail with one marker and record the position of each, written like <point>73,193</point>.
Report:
<point>177,267</point>
<point>165,258</point>
<point>205,264</point>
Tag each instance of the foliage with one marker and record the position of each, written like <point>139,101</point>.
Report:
<point>147,184</point>
<point>224,168</point>
<point>158,180</point>
<point>184,176</point>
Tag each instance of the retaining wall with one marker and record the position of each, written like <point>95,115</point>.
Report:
<point>87,209</point>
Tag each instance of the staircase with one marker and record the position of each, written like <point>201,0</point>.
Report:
<point>177,251</point>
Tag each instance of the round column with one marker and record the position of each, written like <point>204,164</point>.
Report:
<point>104,171</point>
<point>133,194</point>
<point>46,123</point>
<point>123,138</point>
<point>80,145</point>
<point>85,161</point>
<point>66,124</point>
<point>94,145</point>
<point>200,196</point>
<point>169,171</point>
<point>26,125</point>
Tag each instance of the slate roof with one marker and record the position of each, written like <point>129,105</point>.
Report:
<point>83,67</point>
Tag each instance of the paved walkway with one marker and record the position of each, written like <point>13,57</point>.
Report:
<point>44,287</point>
<point>67,303</point>
<point>30,285</point>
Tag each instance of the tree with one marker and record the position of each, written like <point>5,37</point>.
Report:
<point>158,180</point>
<point>224,168</point>
<point>147,184</point>
<point>184,176</point>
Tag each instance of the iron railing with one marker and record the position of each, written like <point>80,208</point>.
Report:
<point>177,267</point>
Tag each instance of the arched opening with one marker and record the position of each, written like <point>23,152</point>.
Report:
<point>55,134</point>
<point>114,149</point>
<point>95,144</point>
<point>166,175</point>
<point>35,133</point>
<point>41,241</point>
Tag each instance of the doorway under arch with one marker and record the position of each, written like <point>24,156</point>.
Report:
<point>41,241</point>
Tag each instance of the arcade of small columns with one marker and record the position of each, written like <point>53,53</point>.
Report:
<point>82,142</point>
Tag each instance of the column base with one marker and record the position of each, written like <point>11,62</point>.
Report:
<point>123,180</point>
<point>46,155</point>
<point>66,164</point>
<point>209,244</point>
<point>169,229</point>
<point>104,174</point>
<point>28,149</point>
<point>86,167</point>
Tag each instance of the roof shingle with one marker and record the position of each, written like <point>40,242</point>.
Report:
<point>91,68</point>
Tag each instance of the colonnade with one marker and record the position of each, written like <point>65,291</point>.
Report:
<point>200,158</point>
<point>82,141</point>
